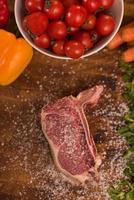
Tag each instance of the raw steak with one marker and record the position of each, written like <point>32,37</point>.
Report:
<point>66,129</point>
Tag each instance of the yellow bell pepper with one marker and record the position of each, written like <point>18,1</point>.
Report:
<point>15,55</point>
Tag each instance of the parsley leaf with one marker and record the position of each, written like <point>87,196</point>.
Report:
<point>124,190</point>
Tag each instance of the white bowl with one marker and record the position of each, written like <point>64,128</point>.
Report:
<point>117,11</point>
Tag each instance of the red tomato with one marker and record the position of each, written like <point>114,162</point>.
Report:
<point>36,23</point>
<point>54,9</point>
<point>105,25</point>
<point>34,5</point>
<point>74,49</point>
<point>57,30</point>
<point>106,4</point>
<point>90,22</point>
<point>72,30</point>
<point>85,39</point>
<point>68,3</point>
<point>3,2</point>
<point>92,5</point>
<point>76,16</point>
<point>42,41</point>
<point>58,47</point>
<point>4,14</point>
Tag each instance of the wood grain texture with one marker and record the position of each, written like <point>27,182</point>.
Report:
<point>27,171</point>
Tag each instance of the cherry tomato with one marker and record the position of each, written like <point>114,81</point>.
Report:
<point>42,41</point>
<point>57,30</point>
<point>74,49</point>
<point>106,4</point>
<point>3,2</point>
<point>58,47</point>
<point>85,39</point>
<point>90,22</point>
<point>4,14</point>
<point>54,9</point>
<point>36,23</point>
<point>76,16</point>
<point>72,30</point>
<point>34,5</point>
<point>91,5</point>
<point>68,3</point>
<point>105,25</point>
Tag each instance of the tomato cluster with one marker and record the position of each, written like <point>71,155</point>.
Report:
<point>68,27</point>
<point>4,13</point>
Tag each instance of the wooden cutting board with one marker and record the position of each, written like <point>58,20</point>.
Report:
<point>27,171</point>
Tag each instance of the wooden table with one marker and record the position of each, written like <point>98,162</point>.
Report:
<point>27,171</point>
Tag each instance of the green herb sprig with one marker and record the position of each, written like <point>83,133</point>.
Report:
<point>125,189</point>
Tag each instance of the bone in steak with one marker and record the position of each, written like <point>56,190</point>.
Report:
<point>66,129</point>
